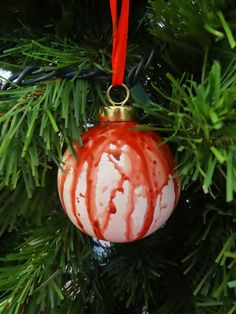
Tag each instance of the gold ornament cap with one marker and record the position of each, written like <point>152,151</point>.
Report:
<point>117,111</point>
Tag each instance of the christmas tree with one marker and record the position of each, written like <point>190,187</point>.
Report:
<point>55,68</point>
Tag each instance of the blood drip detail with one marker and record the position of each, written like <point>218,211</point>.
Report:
<point>149,168</point>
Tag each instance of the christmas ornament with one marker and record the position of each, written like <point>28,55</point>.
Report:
<point>121,185</point>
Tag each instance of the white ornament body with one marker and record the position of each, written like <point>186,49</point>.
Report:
<point>121,187</point>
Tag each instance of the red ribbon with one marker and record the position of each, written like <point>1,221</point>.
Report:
<point>120,36</point>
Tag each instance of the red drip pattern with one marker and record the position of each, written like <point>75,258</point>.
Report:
<point>141,162</point>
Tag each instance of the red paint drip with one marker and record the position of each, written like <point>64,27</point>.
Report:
<point>148,182</point>
<point>116,154</point>
<point>93,158</point>
<point>119,188</point>
<point>73,195</point>
<point>130,210</point>
<point>90,199</point>
<point>112,207</point>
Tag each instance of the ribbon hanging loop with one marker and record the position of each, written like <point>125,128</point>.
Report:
<point>120,36</point>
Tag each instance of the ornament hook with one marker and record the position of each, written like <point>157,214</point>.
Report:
<point>116,103</point>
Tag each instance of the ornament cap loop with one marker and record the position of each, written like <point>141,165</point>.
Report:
<point>120,103</point>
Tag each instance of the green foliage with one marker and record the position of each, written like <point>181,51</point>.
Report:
<point>200,119</point>
<point>198,22</point>
<point>34,122</point>
<point>189,265</point>
<point>34,273</point>
<point>211,264</point>
<point>17,208</point>
<point>60,54</point>
<point>191,27</point>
